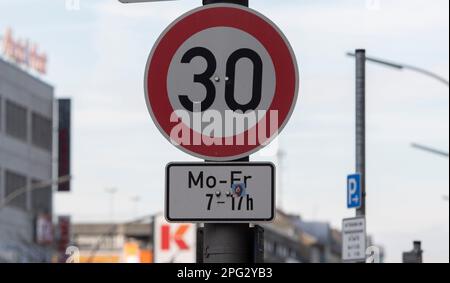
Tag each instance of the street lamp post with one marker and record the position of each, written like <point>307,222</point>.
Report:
<point>399,66</point>
<point>360,126</point>
<point>430,150</point>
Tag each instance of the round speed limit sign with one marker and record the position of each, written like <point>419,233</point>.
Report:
<point>221,82</point>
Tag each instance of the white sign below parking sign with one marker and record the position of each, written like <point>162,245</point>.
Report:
<point>354,239</point>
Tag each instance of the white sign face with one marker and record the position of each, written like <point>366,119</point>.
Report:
<point>174,243</point>
<point>220,192</point>
<point>215,41</point>
<point>354,239</point>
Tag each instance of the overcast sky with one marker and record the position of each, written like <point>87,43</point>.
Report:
<point>98,54</point>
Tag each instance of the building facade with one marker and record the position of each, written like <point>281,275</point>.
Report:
<point>114,243</point>
<point>26,161</point>
<point>285,241</point>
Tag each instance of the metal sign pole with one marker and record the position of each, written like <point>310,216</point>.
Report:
<point>361,125</point>
<point>354,236</point>
<point>230,243</point>
<point>361,128</point>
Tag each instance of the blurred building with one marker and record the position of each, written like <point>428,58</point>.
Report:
<point>114,243</point>
<point>26,127</point>
<point>328,239</point>
<point>283,243</point>
<point>286,240</point>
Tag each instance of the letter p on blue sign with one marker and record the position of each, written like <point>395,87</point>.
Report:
<point>354,191</point>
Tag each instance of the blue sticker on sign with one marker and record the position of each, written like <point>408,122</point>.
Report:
<point>238,190</point>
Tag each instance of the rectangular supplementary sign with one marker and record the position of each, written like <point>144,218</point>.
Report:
<point>354,239</point>
<point>354,194</point>
<point>220,192</point>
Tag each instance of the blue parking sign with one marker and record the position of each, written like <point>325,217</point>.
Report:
<point>354,191</point>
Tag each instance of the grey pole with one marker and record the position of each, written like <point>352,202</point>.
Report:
<point>361,125</point>
<point>230,243</point>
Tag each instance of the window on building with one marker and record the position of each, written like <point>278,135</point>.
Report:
<point>41,198</point>
<point>16,121</point>
<point>13,183</point>
<point>41,132</point>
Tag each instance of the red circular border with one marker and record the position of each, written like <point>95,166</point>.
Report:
<point>233,17</point>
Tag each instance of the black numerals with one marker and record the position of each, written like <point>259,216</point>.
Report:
<point>257,80</point>
<point>230,96</point>
<point>210,198</point>
<point>204,79</point>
